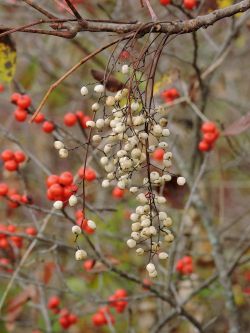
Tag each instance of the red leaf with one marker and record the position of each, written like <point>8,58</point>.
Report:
<point>48,271</point>
<point>239,126</point>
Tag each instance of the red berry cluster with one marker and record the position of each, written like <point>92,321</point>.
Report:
<point>66,319</point>
<point>158,154</point>
<point>170,95</point>
<point>83,223</point>
<point>185,265</point>
<point>210,135</point>
<point>22,102</point>
<point>89,174</point>
<point>165,2</point>
<point>60,187</point>
<point>71,119</point>
<point>7,241</point>
<point>190,4</point>
<point>102,317</point>
<point>13,197</point>
<point>117,300</point>
<point>12,160</point>
<point>118,193</point>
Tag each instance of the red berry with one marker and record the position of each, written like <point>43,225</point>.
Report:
<point>26,199</point>
<point>56,191</point>
<point>1,88</point>
<point>190,4</point>
<point>158,154</point>
<point>118,193</point>
<point>11,165</point>
<point>165,2</point>
<point>187,260</point>
<point>20,115</point>
<point>54,302</point>
<point>19,156</point>
<point>48,127</point>
<point>7,155</point>
<point>121,306</point>
<point>121,293</point>
<point>52,179</point>
<point>70,119</point>
<point>170,95</point>
<point>72,318</point>
<point>187,269</point>
<point>204,146</point>
<point>11,228</point>
<point>89,264</point>
<point>4,244</point>
<point>208,127</point>
<point>18,241</point>
<point>66,178</point>
<point>98,319</point>
<point>15,97</point>
<point>64,322</point>
<point>84,121</point>
<point>14,200</point>
<point>179,266</point>
<point>31,231</point>
<point>88,175</point>
<point>24,101</point>
<point>3,189</point>
<point>124,55</point>
<point>39,118</point>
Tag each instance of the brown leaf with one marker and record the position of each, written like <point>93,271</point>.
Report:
<point>238,126</point>
<point>175,194</point>
<point>16,305</point>
<point>111,83</point>
<point>48,271</point>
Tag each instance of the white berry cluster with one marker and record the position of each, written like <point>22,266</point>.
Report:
<point>127,132</point>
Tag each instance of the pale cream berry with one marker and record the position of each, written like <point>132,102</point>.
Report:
<point>139,210</point>
<point>73,200</point>
<point>134,217</point>
<point>125,69</point>
<point>105,183</point>
<point>162,216</point>
<point>90,123</point>
<point>181,181</point>
<point>84,91</point>
<point>76,230</point>
<point>135,235</point>
<point>91,224</point>
<point>169,238</point>
<point>161,200</point>
<point>165,132</point>
<point>131,243</point>
<point>104,160</point>
<point>58,204</point>
<point>63,153</point>
<point>135,106</point>
<point>96,138</point>
<point>136,226</point>
<point>153,274</point>
<point>167,222</point>
<point>154,175</point>
<point>166,177</point>
<point>145,223</point>
<point>157,130</point>
<point>150,267</point>
<point>152,230</point>
<point>139,251</point>
<point>118,96</point>
<point>133,189</point>
<point>142,198</point>
<point>100,123</point>
<point>80,254</point>
<point>168,155</point>
<point>110,101</point>
<point>163,255</point>
<point>95,107</point>
<point>58,145</point>
<point>107,148</point>
<point>163,144</point>
<point>99,88</point>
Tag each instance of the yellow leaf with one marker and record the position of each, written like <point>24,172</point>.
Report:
<point>7,59</point>
<point>224,3</point>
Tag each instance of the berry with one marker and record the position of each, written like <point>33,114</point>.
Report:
<point>165,2</point>
<point>3,189</point>
<point>64,322</point>
<point>118,193</point>
<point>204,146</point>
<point>39,118</point>
<point>56,190</point>
<point>70,119</point>
<point>14,200</point>
<point>208,127</point>
<point>66,178</point>
<point>11,165</point>
<point>31,231</point>
<point>98,319</point>
<point>89,264</point>
<point>24,101</point>
<point>19,156</point>
<point>1,88</point>
<point>158,154</point>
<point>190,4</point>
<point>54,302</point>
<point>88,175</point>
<point>48,127</point>
<point>7,155</point>
<point>20,115</point>
<point>52,179</point>
<point>15,97</point>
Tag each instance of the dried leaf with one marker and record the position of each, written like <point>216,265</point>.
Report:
<point>111,83</point>
<point>175,194</point>
<point>239,126</point>
<point>48,271</point>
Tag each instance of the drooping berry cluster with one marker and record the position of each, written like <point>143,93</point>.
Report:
<point>12,160</point>
<point>103,316</point>
<point>210,135</point>
<point>66,319</point>
<point>184,265</point>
